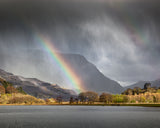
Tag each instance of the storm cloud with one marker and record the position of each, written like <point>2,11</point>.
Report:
<point>120,37</point>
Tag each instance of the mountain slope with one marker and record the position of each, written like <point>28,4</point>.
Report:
<point>92,78</point>
<point>45,68</point>
<point>36,87</point>
<point>140,84</point>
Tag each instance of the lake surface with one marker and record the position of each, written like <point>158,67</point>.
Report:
<point>79,117</point>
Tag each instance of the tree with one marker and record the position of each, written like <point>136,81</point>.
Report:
<point>105,97</point>
<point>76,100</point>
<point>128,92</point>
<point>20,90</point>
<point>82,97</point>
<point>2,90</point>
<point>137,90</point>
<point>151,90</point>
<point>118,98</point>
<point>47,101</point>
<point>71,101</point>
<point>142,99</point>
<point>5,84</point>
<point>125,99</point>
<point>89,96</point>
<point>11,89</point>
<point>59,99</point>
<point>154,99</point>
<point>147,85</point>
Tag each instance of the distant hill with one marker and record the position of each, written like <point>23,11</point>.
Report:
<point>140,84</point>
<point>35,87</point>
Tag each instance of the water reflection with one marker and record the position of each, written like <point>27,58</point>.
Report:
<point>78,117</point>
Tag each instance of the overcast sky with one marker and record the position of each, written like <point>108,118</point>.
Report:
<point>121,37</point>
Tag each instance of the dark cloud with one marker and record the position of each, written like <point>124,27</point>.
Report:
<point>120,38</point>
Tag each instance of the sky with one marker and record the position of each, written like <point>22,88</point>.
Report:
<point>120,37</point>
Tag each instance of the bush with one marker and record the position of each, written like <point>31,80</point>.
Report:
<point>133,101</point>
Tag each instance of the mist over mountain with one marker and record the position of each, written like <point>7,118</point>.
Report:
<point>120,37</point>
<point>92,78</point>
<point>36,87</point>
<point>155,83</point>
<point>48,70</point>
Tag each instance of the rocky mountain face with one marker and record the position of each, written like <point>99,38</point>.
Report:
<point>38,63</point>
<point>140,84</point>
<point>36,87</point>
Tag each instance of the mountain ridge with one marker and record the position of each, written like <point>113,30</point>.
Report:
<point>92,78</point>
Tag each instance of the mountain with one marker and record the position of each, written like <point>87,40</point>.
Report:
<point>38,63</point>
<point>140,84</point>
<point>36,87</point>
<point>93,79</point>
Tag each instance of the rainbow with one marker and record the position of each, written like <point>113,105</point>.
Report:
<point>136,34</point>
<point>67,70</point>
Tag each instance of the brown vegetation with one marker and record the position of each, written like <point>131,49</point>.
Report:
<point>89,97</point>
<point>2,90</point>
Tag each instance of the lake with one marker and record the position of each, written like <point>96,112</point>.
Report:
<point>79,117</point>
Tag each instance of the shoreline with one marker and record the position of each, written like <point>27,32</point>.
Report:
<point>136,105</point>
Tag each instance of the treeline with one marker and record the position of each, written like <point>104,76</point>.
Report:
<point>7,88</point>
<point>93,97</point>
<point>147,94</point>
<point>147,88</point>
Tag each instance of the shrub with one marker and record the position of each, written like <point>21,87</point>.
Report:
<point>133,101</point>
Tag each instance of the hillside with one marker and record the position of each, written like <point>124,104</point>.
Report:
<point>16,95</point>
<point>35,87</point>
